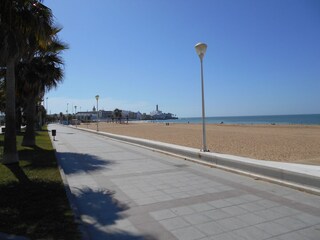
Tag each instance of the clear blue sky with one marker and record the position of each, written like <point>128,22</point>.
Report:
<point>263,57</point>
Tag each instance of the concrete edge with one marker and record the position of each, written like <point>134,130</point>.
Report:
<point>300,181</point>
<point>73,205</point>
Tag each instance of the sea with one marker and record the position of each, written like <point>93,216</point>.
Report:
<point>303,119</point>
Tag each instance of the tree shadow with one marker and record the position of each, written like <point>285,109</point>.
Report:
<point>38,158</point>
<point>102,215</point>
<point>18,173</point>
<point>72,163</point>
<point>97,209</point>
<point>38,210</point>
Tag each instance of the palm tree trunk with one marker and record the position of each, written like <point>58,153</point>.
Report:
<point>29,138</point>
<point>10,154</point>
<point>18,119</point>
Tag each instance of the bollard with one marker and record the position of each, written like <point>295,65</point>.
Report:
<point>54,133</point>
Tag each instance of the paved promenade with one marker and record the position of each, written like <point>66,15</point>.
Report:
<point>120,191</point>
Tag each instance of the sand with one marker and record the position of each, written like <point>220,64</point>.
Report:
<point>285,143</point>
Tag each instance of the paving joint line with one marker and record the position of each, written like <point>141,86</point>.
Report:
<point>294,185</point>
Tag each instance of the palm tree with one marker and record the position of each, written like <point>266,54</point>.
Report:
<point>2,91</point>
<point>23,24</point>
<point>117,114</point>
<point>35,77</point>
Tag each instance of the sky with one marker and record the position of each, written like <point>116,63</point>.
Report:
<point>263,57</point>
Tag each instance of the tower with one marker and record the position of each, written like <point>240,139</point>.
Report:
<point>157,109</point>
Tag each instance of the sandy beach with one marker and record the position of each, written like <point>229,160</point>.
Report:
<point>285,143</point>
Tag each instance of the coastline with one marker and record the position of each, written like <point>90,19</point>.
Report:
<point>299,119</point>
<point>282,143</point>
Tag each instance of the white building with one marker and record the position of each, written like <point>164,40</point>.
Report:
<point>159,115</point>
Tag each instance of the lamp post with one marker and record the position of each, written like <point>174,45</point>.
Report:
<point>67,113</point>
<point>75,114</point>
<point>47,105</point>
<point>201,50</point>
<point>97,98</point>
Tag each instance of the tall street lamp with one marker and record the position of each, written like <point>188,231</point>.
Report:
<point>201,50</point>
<point>47,105</point>
<point>75,114</point>
<point>67,113</point>
<point>97,98</point>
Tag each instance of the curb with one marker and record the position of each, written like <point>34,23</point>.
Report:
<point>73,205</point>
<point>251,167</point>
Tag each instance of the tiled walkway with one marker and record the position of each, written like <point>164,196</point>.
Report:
<point>125,192</point>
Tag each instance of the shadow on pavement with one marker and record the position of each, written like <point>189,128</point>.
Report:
<point>103,216</point>
<point>76,162</point>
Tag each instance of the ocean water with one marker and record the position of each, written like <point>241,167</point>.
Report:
<point>305,119</point>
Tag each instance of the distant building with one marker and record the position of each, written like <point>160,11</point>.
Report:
<point>131,115</point>
<point>87,116</point>
<point>138,115</point>
<point>93,115</point>
<point>103,115</point>
<point>159,115</point>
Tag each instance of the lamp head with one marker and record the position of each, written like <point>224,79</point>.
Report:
<point>201,49</point>
<point>97,97</point>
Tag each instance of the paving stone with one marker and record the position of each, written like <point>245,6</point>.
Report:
<point>291,223</point>
<point>210,228</point>
<point>188,233</point>
<point>179,195</point>
<point>285,211</point>
<point>267,203</point>
<point>312,233</point>
<point>292,236</point>
<point>251,218</point>
<point>234,210</point>
<point>307,218</point>
<point>223,188</point>
<point>268,214</point>
<point>174,223</point>
<point>250,197</point>
<point>145,201</point>
<point>237,200</point>
<point>184,210</point>
<point>162,198</point>
<point>226,236</point>
<point>163,214</point>
<point>201,207</point>
<point>197,218</point>
<point>217,214</point>
<point>153,230</point>
<point>211,190</point>
<point>251,206</point>
<point>154,193</point>
<point>272,228</point>
<point>313,201</point>
<point>232,223</point>
<point>220,203</point>
<point>251,233</point>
